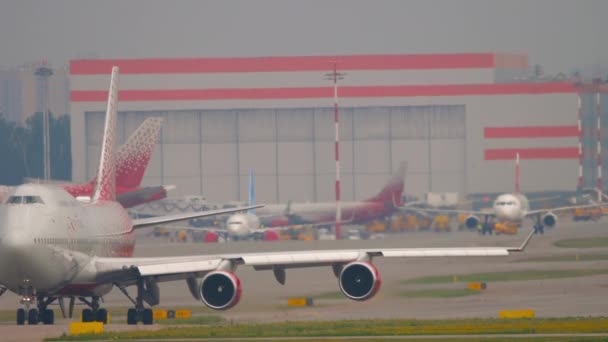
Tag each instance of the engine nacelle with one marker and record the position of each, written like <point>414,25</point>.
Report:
<point>471,221</point>
<point>549,219</point>
<point>220,290</point>
<point>271,235</point>
<point>211,237</point>
<point>359,280</point>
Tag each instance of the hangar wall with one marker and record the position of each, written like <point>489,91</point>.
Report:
<point>290,151</point>
<point>451,117</point>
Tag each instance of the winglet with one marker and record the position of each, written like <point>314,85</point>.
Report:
<point>524,244</point>
<point>105,183</point>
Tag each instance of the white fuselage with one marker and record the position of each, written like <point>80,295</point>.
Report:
<point>48,245</point>
<point>511,207</point>
<point>242,225</point>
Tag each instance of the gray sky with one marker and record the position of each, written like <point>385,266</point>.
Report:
<point>559,34</point>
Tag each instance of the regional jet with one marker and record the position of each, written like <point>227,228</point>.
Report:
<point>53,247</point>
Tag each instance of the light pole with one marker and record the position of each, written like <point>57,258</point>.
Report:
<point>43,74</point>
<point>335,76</point>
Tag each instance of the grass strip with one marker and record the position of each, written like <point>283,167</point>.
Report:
<point>507,276</point>
<point>583,242</point>
<point>566,258</point>
<point>438,293</point>
<point>364,328</point>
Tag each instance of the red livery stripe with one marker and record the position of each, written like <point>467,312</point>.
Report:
<point>322,92</point>
<point>530,132</point>
<point>295,63</point>
<point>531,153</point>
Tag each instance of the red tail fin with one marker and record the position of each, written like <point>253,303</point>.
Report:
<point>133,157</point>
<point>105,183</point>
<point>393,190</point>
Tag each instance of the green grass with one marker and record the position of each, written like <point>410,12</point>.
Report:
<point>566,258</point>
<point>194,320</point>
<point>462,339</point>
<point>438,293</point>
<point>401,327</point>
<point>507,276</point>
<point>583,243</point>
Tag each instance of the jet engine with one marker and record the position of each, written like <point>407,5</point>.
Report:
<point>271,235</point>
<point>220,290</point>
<point>471,221</point>
<point>549,219</point>
<point>359,280</point>
<point>211,237</point>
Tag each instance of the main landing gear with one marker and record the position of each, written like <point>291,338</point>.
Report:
<point>40,314</point>
<point>147,292</point>
<point>539,228</point>
<point>94,313</point>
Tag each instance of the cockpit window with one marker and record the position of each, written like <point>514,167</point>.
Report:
<point>24,200</point>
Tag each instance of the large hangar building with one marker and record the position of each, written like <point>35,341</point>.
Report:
<point>456,119</point>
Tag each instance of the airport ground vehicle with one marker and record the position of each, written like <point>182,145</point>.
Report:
<point>587,214</point>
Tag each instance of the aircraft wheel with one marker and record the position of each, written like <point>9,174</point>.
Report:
<point>102,316</point>
<point>148,317</point>
<point>87,315</point>
<point>132,317</point>
<point>20,316</point>
<point>48,317</point>
<point>32,317</point>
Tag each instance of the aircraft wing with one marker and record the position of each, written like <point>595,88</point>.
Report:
<point>154,221</point>
<point>126,271</point>
<point>544,211</point>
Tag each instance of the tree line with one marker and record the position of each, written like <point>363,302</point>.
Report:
<point>22,149</point>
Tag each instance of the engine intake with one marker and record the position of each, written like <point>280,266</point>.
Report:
<point>471,222</point>
<point>359,280</point>
<point>549,219</point>
<point>220,290</point>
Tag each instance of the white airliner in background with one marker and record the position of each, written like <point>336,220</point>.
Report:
<point>512,208</point>
<point>53,247</point>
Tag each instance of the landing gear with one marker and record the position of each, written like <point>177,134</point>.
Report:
<point>539,229</point>
<point>146,291</point>
<point>37,315</point>
<point>487,227</point>
<point>94,313</point>
<point>20,316</point>
<point>32,317</point>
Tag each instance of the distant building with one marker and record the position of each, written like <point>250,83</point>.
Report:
<point>20,94</point>
<point>457,119</point>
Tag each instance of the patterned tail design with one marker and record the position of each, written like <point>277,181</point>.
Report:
<point>393,190</point>
<point>105,183</point>
<point>133,157</point>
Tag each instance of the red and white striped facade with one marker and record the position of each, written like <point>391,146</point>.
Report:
<point>500,119</point>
